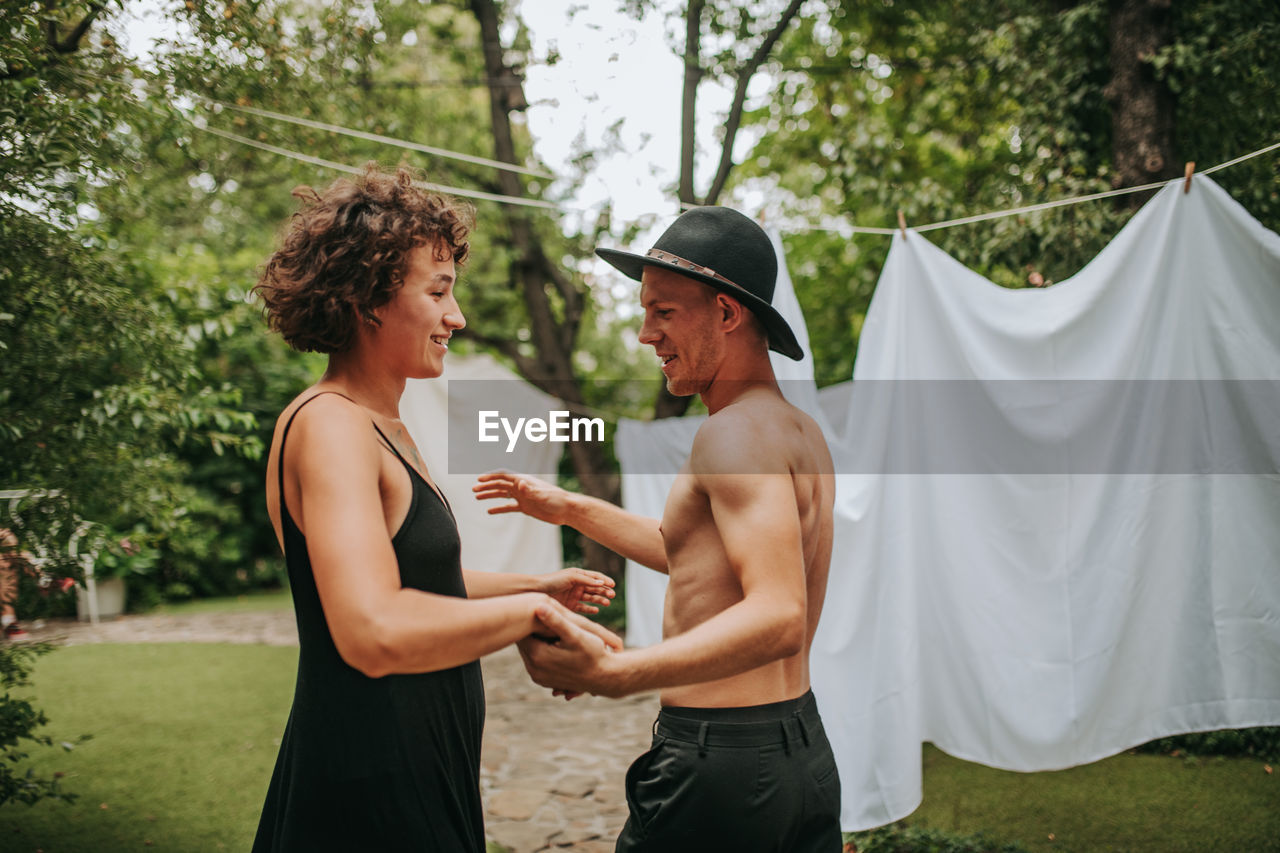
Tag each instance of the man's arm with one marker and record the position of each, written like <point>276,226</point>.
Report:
<point>759,524</point>
<point>633,536</point>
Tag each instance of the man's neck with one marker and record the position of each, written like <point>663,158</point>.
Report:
<point>731,385</point>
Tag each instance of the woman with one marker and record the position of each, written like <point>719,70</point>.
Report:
<point>382,748</point>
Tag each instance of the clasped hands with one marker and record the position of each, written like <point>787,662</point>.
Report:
<point>566,650</point>
<point>569,653</point>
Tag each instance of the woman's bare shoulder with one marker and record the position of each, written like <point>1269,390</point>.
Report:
<point>322,419</point>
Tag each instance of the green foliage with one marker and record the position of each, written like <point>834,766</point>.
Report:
<point>1262,742</point>
<point>99,390</point>
<point>901,838</point>
<point>125,556</point>
<point>102,392</point>
<point>1224,71</point>
<point>59,104</point>
<point>41,595</point>
<point>951,111</point>
<point>888,107</point>
<point>19,720</point>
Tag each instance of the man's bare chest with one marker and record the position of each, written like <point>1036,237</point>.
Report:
<point>689,531</point>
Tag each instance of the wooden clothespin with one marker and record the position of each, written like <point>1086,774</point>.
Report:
<point>1191,167</point>
<point>902,224</point>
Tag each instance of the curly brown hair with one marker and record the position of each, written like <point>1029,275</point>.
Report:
<point>345,253</point>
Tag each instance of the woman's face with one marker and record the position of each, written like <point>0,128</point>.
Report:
<point>421,315</point>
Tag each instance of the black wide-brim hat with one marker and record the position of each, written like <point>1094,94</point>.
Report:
<point>730,252</point>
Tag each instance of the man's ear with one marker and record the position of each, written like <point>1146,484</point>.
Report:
<point>732,312</point>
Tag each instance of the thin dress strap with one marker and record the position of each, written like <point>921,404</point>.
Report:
<point>405,463</point>
<point>284,436</point>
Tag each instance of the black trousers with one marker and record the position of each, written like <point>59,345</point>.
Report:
<point>760,778</point>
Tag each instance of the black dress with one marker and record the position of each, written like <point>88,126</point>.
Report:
<point>386,764</point>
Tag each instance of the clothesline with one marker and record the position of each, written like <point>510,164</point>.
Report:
<point>378,137</point>
<point>352,170</point>
<point>841,228</point>
<point>615,417</point>
<point>855,229</point>
<point>1048,205</point>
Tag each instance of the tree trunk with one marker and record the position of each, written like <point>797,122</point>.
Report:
<point>689,98</point>
<point>668,405</point>
<point>744,75</point>
<point>1142,107</point>
<point>535,275</point>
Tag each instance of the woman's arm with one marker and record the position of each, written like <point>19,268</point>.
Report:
<point>580,590</point>
<point>379,627</point>
<point>491,584</point>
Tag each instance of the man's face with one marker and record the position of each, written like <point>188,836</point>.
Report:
<point>681,323</point>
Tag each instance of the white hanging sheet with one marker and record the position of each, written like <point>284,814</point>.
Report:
<point>497,543</point>
<point>1056,513</point>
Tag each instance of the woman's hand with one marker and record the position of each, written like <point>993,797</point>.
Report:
<point>580,590</point>
<point>531,496</point>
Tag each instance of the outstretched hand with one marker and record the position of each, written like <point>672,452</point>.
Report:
<point>580,590</point>
<point>529,495</point>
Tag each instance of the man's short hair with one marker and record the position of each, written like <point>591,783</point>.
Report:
<point>345,252</point>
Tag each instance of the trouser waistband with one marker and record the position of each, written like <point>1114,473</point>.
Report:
<point>782,723</point>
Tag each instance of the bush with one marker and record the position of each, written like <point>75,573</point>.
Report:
<point>102,391</point>
<point>900,838</point>
<point>1261,742</point>
<point>42,595</point>
<point>124,555</point>
<point>18,721</point>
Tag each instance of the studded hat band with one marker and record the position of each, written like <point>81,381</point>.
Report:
<point>681,263</point>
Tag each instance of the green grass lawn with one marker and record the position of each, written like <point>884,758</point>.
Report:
<point>184,739</point>
<point>185,736</point>
<point>1128,802</point>
<point>276,599</point>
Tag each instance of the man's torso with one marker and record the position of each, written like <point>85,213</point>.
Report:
<point>702,581</point>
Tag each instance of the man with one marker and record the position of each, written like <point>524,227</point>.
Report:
<point>740,760</point>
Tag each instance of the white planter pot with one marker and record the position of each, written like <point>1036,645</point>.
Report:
<point>110,599</point>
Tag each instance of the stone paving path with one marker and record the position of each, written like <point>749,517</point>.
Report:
<point>551,771</point>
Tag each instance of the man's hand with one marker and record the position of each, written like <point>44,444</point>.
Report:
<point>580,590</point>
<point>577,661</point>
<point>531,496</point>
